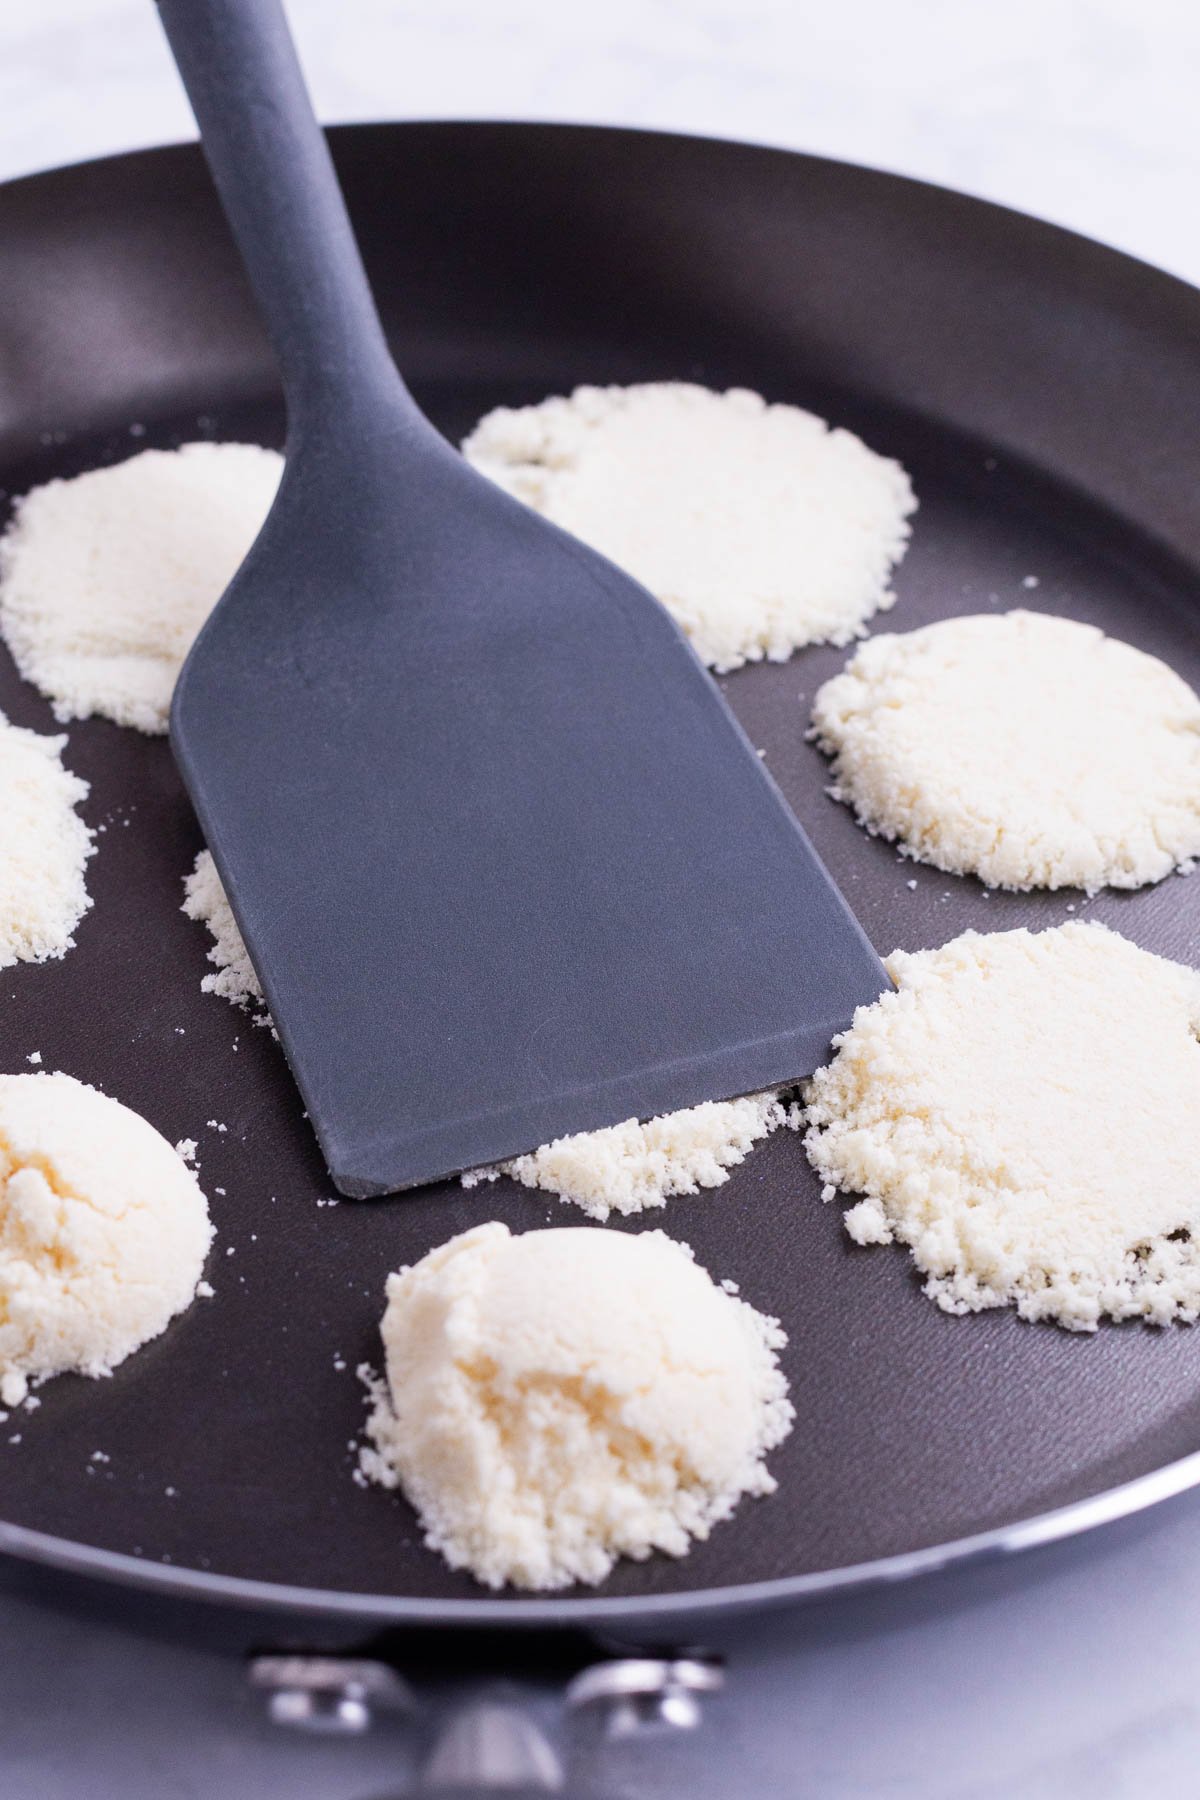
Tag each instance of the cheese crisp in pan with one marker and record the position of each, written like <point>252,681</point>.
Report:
<point>1024,1114</point>
<point>760,527</point>
<point>1029,750</point>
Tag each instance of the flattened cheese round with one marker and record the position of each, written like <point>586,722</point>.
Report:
<point>1029,750</point>
<point>1024,1114</point>
<point>758,526</point>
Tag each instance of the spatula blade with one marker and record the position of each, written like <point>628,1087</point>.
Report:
<point>505,863</point>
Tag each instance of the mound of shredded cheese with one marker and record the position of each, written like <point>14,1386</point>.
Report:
<point>557,1400</point>
<point>103,1231</point>
<point>44,847</point>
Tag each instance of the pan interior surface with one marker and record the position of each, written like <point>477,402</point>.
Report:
<point>535,259</point>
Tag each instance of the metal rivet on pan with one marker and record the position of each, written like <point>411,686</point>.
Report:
<point>328,1693</point>
<point>635,1694</point>
<point>490,1745</point>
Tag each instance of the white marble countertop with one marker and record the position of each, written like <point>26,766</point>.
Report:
<point>1081,111</point>
<point>1086,1679</point>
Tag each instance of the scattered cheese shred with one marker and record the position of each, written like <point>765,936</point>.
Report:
<point>234,978</point>
<point>630,1167</point>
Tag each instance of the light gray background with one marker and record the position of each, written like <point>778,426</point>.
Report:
<point>1082,111</point>
<point>1080,1676</point>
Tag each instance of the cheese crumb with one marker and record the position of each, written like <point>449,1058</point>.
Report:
<point>106,578</point>
<point>566,1397</point>
<point>205,900</point>
<point>1028,750</point>
<point>631,1167</point>
<point>757,526</point>
<point>103,1231</point>
<point>1024,1114</point>
<point>45,847</point>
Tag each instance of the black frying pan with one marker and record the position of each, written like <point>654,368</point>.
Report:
<point>1043,392</point>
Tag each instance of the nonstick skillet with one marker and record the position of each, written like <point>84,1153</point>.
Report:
<point>1043,392</point>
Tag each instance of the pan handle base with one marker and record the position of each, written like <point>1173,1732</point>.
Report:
<point>487,1740</point>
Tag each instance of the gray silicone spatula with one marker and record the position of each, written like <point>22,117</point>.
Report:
<point>505,863</point>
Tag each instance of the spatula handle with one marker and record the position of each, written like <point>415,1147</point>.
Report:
<point>276,180</point>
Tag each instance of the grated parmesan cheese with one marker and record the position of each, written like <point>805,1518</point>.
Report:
<point>106,578</point>
<point>630,1167</point>
<point>563,1398</point>
<point>103,1231</point>
<point>1029,750</point>
<point>757,526</point>
<point>1024,1114</point>
<point>44,847</point>
<point>234,978</point>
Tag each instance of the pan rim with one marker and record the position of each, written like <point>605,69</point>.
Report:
<point>346,129</point>
<point>575,1608</point>
<point>175,1581</point>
